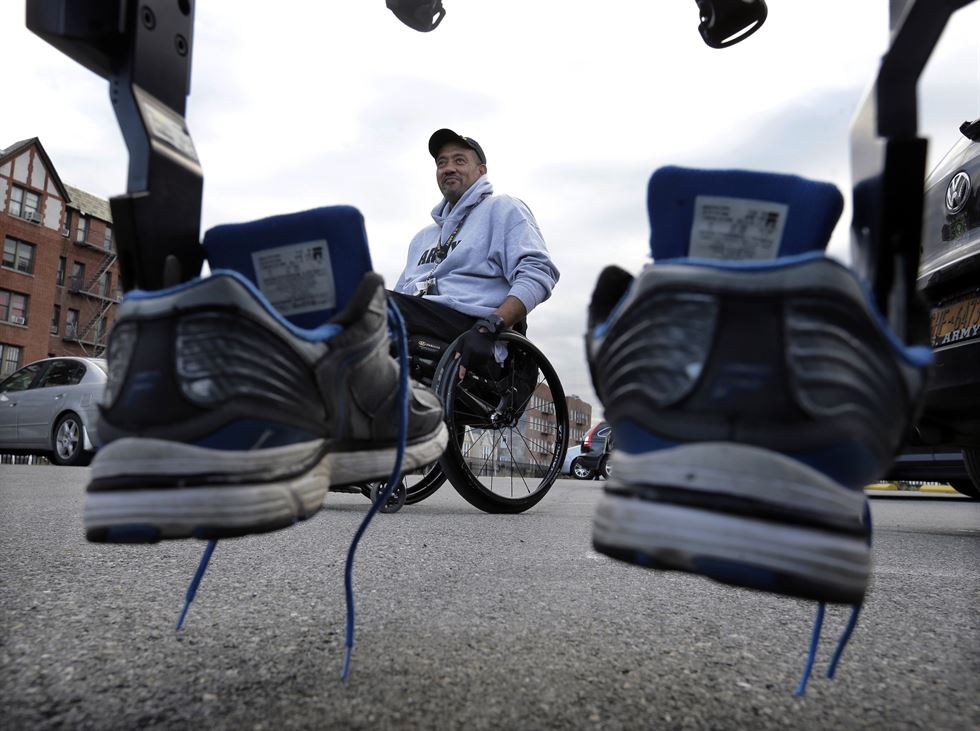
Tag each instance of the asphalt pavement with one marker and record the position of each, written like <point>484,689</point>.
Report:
<point>465,621</point>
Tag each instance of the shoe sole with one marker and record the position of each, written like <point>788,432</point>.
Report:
<point>679,524</point>
<point>146,490</point>
<point>374,464</point>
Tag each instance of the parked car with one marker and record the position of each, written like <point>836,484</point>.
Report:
<point>50,407</point>
<point>593,461</point>
<point>949,279</point>
<point>570,454</point>
<point>933,464</point>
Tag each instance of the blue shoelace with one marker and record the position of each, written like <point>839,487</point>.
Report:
<point>397,326</point>
<point>845,635</point>
<point>398,331</point>
<point>196,581</point>
<point>815,641</point>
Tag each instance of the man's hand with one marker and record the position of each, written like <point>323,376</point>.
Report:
<point>476,347</point>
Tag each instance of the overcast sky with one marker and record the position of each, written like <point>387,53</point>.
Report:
<point>302,104</point>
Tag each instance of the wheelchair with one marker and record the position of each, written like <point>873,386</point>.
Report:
<point>508,426</point>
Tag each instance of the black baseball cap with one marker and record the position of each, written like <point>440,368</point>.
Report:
<point>443,137</point>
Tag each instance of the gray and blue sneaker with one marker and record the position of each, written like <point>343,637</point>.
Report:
<point>752,387</point>
<point>235,401</point>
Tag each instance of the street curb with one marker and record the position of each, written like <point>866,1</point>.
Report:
<point>922,488</point>
<point>937,488</point>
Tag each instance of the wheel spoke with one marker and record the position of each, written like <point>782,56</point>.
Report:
<point>529,451</point>
<point>490,453</point>
<point>517,465</point>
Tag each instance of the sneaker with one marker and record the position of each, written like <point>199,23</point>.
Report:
<point>235,401</point>
<point>751,403</point>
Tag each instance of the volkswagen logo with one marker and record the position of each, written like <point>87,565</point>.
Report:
<point>958,192</point>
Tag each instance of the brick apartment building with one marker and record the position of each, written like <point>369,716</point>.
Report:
<point>59,278</point>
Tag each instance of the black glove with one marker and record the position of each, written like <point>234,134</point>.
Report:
<point>476,347</point>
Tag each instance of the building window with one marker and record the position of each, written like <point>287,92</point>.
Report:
<point>59,277</point>
<point>99,329</point>
<point>55,319</point>
<point>25,204</point>
<point>66,231</point>
<point>13,307</point>
<point>71,324</point>
<point>77,275</point>
<point>9,359</point>
<point>108,238</point>
<point>18,255</point>
<point>106,284</point>
<point>81,233</point>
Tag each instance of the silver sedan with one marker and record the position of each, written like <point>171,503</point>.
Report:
<point>51,406</point>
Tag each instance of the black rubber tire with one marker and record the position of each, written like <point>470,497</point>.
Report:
<point>394,503</point>
<point>580,471</point>
<point>604,470</point>
<point>432,480</point>
<point>453,463</point>
<point>67,441</point>
<point>971,458</point>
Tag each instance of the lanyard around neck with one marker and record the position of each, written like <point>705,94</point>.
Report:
<point>442,250</point>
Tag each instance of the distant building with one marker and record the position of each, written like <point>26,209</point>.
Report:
<point>59,278</point>
<point>532,440</point>
<point>579,419</point>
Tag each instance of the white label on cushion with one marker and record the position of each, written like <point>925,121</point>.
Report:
<point>736,228</point>
<point>297,278</point>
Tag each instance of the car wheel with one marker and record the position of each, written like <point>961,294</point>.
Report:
<point>67,445</point>
<point>580,471</point>
<point>971,487</point>
<point>965,487</point>
<point>605,469</point>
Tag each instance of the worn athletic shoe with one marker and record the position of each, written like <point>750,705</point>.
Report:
<point>751,400</point>
<point>235,401</point>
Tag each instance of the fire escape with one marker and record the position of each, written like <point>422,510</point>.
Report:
<point>92,335</point>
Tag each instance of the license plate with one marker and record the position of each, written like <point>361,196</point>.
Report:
<point>956,322</point>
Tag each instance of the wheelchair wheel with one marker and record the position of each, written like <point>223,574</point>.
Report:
<point>420,486</point>
<point>372,490</point>
<point>512,428</point>
<point>423,483</point>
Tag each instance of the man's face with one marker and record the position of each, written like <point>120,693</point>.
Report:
<point>457,168</point>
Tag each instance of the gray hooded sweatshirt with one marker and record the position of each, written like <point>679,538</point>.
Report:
<point>498,251</point>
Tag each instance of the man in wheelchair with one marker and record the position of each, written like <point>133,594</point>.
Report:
<point>469,282</point>
<point>479,268</point>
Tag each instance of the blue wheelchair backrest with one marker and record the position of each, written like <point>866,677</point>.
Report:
<point>738,215</point>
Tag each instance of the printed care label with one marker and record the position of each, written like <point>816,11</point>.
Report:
<point>163,125</point>
<point>736,228</point>
<point>297,278</point>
